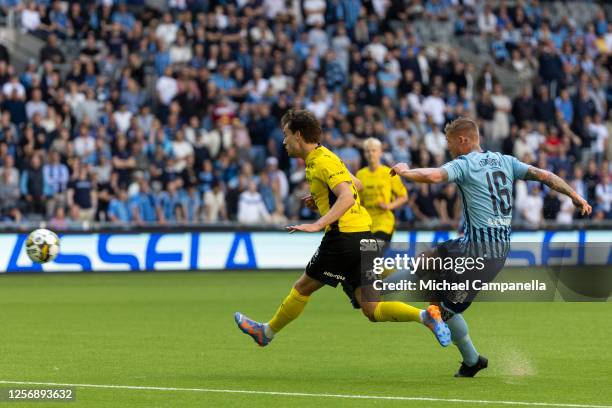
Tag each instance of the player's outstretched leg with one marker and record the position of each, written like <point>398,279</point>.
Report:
<point>289,310</point>
<point>395,311</point>
<point>472,361</point>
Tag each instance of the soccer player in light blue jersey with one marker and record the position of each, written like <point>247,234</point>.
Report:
<point>485,181</point>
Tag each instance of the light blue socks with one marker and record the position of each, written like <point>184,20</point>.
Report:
<point>461,339</point>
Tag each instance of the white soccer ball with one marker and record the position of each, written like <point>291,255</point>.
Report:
<point>42,245</point>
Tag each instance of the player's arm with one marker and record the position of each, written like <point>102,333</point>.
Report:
<point>398,202</point>
<point>558,184</point>
<point>344,201</point>
<point>358,184</point>
<point>426,175</point>
<point>399,194</point>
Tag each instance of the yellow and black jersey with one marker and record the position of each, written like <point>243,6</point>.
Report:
<point>324,171</point>
<point>380,187</point>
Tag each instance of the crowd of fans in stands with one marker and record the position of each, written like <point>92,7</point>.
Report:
<point>133,115</point>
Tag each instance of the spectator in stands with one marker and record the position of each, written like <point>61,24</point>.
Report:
<point>143,204</point>
<point>550,64</point>
<point>422,204</point>
<point>9,194</point>
<point>81,193</point>
<point>435,141</point>
<point>447,205</point>
<point>4,54</point>
<point>251,206</point>
<point>167,201</point>
<point>8,169</point>
<point>59,220</point>
<point>551,205</point>
<point>51,51</point>
<point>223,77</point>
<point>544,109</point>
<point>14,87</point>
<point>56,177</point>
<point>599,137</point>
<point>591,179</point>
<point>15,106</point>
<point>314,11</point>
<point>214,204</point>
<point>124,18</point>
<point>84,144</point>
<point>167,88</point>
<point>564,104</point>
<point>33,186</point>
<point>603,198</point>
<point>532,208</point>
<point>501,118</point>
<point>487,22</point>
<point>277,177</point>
<point>36,105</point>
<point>119,208</point>
<point>181,150</point>
<point>180,51</point>
<point>192,205</point>
<point>31,19</point>
<point>268,191</point>
<point>486,111</point>
<point>167,31</point>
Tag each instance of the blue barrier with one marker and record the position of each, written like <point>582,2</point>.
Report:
<point>264,250</point>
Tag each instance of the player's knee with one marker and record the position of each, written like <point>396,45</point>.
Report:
<point>306,286</point>
<point>302,288</point>
<point>368,308</point>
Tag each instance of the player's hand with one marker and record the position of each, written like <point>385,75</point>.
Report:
<point>310,203</point>
<point>383,205</point>
<point>399,168</point>
<point>304,228</point>
<point>582,205</point>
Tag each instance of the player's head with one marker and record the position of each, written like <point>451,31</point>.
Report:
<point>372,149</point>
<point>301,129</point>
<point>462,136</point>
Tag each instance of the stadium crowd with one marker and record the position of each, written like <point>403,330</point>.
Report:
<point>133,115</point>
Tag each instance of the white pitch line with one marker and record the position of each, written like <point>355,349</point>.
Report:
<point>306,394</point>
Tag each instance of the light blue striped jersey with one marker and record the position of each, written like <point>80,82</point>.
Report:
<point>485,180</point>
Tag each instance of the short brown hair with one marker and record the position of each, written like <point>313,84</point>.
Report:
<point>463,125</point>
<point>305,122</point>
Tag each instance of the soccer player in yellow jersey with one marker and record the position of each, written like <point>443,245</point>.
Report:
<point>347,232</point>
<point>381,192</point>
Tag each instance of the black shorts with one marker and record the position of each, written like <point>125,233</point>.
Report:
<point>385,238</point>
<point>339,259</point>
<point>459,300</point>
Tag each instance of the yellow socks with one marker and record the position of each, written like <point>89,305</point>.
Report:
<point>396,312</point>
<point>288,311</point>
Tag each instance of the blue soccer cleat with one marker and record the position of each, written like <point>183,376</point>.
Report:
<point>252,328</point>
<point>432,318</point>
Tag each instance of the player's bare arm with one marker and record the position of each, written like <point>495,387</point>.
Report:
<point>310,203</point>
<point>358,184</point>
<point>344,201</point>
<point>426,175</point>
<point>398,202</point>
<point>558,184</point>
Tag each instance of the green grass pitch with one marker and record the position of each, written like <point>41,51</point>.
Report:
<point>177,330</point>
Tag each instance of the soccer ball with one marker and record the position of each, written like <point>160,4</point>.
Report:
<point>42,245</point>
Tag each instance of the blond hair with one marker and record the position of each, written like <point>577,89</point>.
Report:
<point>373,142</point>
<point>464,125</point>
